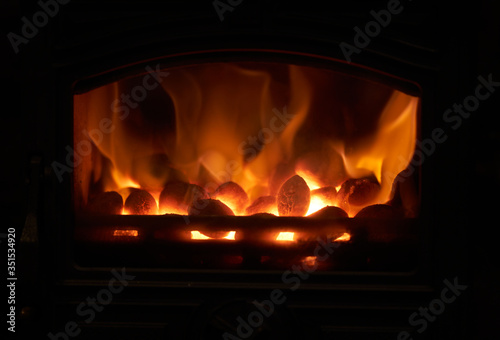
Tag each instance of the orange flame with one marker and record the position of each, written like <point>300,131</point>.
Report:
<point>312,183</point>
<point>344,238</point>
<point>391,148</point>
<point>316,204</point>
<point>213,123</point>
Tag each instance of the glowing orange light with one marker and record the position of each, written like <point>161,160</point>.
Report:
<point>312,183</point>
<point>230,236</point>
<point>203,149</point>
<point>309,261</point>
<point>382,157</point>
<point>316,204</point>
<point>172,210</point>
<point>285,236</point>
<point>130,232</point>
<point>344,238</point>
<point>196,235</point>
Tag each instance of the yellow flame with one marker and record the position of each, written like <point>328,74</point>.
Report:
<point>311,182</point>
<point>343,238</point>
<point>391,148</point>
<point>316,204</point>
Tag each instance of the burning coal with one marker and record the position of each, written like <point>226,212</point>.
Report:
<point>210,141</point>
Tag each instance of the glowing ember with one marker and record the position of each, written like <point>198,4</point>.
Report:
<point>285,236</point>
<point>309,261</point>
<point>344,238</point>
<point>196,235</point>
<point>230,236</point>
<point>128,232</point>
<point>172,210</point>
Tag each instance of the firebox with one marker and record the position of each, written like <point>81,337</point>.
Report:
<point>265,162</point>
<point>245,164</point>
<point>246,178</point>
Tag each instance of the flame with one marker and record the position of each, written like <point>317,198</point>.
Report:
<point>273,211</point>
<point>212,123</point>
<point>311,182</point>
<point>391,148</point>
<point>316,204</point>
<point>343,238</point>
<point>231,203</point>
<point>127,232</point>
<point>285,236</point>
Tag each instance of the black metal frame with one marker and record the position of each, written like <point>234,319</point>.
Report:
<point>413,282</point>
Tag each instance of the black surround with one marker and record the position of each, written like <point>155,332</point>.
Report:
<point>426,44</point>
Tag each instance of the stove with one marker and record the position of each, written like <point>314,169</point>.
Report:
<point>245,170</point>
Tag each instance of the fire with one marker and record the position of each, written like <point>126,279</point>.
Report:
<point>285,236</point>
<point>344,238</point>
<point>172,210</point>
<point>254,124</point>
<point>230,236</point>
<point>319,201</point>
<point>312,183</point>
<point>316,204</point>
<point>391,147</point>
<point>197,235</point>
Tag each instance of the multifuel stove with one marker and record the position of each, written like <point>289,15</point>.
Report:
<point>256,170</point>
